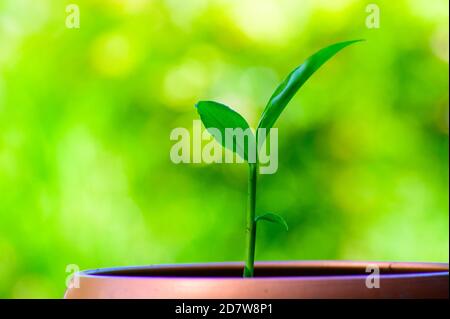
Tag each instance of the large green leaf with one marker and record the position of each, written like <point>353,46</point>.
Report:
<point>221,117</point>
<point>287,89</point>
<point>273,218</point>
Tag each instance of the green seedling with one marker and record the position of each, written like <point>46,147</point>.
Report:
<point>217,117</point>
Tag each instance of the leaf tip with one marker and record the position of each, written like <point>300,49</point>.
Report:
<point>356,41</point>
<point>197,105</point>
<point>273,218</point>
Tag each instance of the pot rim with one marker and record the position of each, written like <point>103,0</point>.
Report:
<point>410,270</point>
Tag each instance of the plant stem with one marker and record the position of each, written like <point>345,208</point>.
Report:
<point>251,224</point>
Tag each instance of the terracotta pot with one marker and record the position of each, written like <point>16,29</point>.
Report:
<point>302,279</point>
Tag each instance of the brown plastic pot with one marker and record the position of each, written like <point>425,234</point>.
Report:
<point>302,279</point>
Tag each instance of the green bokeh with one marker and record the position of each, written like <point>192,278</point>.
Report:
<point>86,114</point>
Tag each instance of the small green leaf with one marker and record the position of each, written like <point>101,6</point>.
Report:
<point>273,218</point>
<point>287,89</point>
<point>221,117</point>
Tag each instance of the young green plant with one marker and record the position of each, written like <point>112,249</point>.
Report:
<point>217,117</point>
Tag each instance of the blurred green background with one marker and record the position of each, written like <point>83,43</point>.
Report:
<point>85,118</point>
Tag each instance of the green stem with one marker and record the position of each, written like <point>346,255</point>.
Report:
<point>251,224</point>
